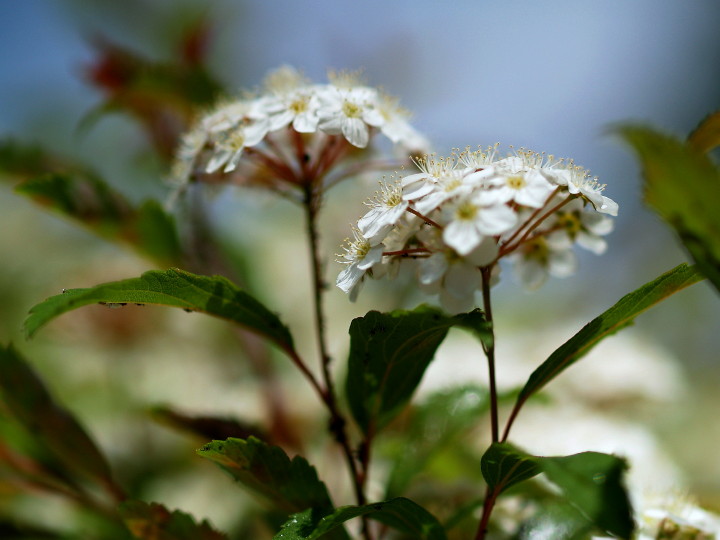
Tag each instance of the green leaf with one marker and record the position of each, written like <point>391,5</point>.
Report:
<point>154,234</point>
<point>215,296</point>
<point>617,317</point>
<point>55,428</point>
<point>26,160</point>
<point>155,522</point>
<point>593,483</point>
<point>389,353</point>
<point>433,428</point>
<point>682,184</point>
<point>706,136</point>
<point>290,485</point>
<point>399,513</point>
<point>207,427</point>
<point>90,201</point>
<point>503,466</point>
<point>590,481</point>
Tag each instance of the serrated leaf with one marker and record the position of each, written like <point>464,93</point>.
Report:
<point>155,522</point>
<point>593,483</point>
<point>682,184</point>
<point>290,485</point>
<point>706,136</point>
<point>215,296</point>
<point>617,317</point>
<point>55,428</point>
<point>503,466</point>
<point>389,353</point>
<point>400,513</point>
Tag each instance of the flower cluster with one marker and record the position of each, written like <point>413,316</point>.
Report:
<point>293,130</point>
<point>463,213</point>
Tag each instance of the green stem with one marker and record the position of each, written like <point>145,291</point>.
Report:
<point>486,272</point>
<point>490,496</point>
<point>337,421</point>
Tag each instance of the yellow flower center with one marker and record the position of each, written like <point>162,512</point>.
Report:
<point>298,106</point>
<point>570,221</point>
<point>466,211</point>
<point>351,110</point>
<point>516,182</point>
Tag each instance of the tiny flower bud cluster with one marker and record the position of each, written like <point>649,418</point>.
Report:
<point>465,212</point>
<point>293,131</point>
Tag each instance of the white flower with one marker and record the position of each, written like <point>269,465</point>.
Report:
<point>583,227</point>
<point>674,517</point>
<point>479,159</point>
<point>349,111</point>
<point>191,144</point>
<point>432,170</point>
<point>540,257</point>
<point>515,178</point>
<point>395,125</point>
<point>469,221</point>
<point>456,278</point>
<point>360,255</point>
<point>229,145</point>
<point>298,108</point>
<point>578,181</point>
<point>387,208</point>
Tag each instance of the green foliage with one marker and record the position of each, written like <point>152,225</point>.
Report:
<point>389,353</point>
<point>503,466</point>
<point>65,446</point>
<point>155,522</point>
<point>207,427</point>
<point>94,204</point>
<point>215,296</point>
<point>590,481</point>
<point>593,482</point>
<point>289,485</point>
<point>434,427</point>
<point>400,513</point>
<point>682,184</point>
<point>617,317</point>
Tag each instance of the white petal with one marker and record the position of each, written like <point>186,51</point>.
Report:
<point>372,257</point>
<point>432,269</point>
<point>531,273</point>
<point>462,236</point>
<point>562,263</point>
<point>453,304</point>
<point>332,125</point>
<point>462,280</point>
<point>356,132</point>
<point>348,278</point>
<point>485,253</point>
<point>417,190</point>
<point>607,206</point>
<point>305,123</point>
<point>496,220</point>
<point>591,242</point>
<point>218,159</point>
<point>598,224</point>
<point>373,117</point>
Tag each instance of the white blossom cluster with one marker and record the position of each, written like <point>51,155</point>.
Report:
<point>275,128</point>
<point>465,212</point>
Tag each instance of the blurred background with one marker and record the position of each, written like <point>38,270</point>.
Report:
<point>553,77</point>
